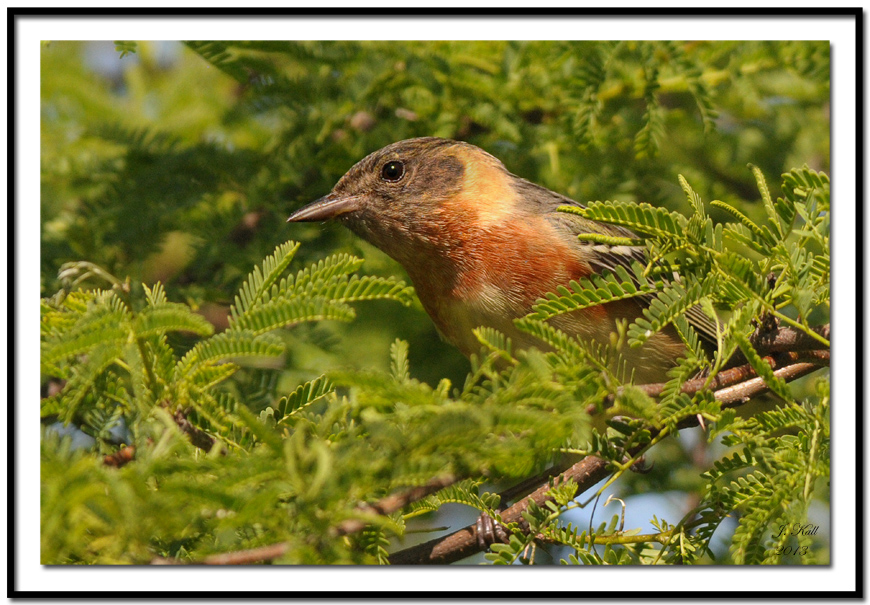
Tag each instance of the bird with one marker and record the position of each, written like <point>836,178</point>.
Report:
<point>482,246</point>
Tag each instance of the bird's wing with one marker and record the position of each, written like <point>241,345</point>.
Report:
<point>605,256</point>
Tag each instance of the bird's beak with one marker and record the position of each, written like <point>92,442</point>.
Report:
<point>327,207</point>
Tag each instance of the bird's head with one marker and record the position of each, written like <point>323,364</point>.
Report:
<point>417,195</point>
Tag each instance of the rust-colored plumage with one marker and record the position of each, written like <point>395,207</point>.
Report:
<point>481,244</point>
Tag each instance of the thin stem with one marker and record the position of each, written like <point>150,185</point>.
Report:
<point>661,538</point>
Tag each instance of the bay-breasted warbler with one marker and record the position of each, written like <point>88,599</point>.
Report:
<point>481,245</point>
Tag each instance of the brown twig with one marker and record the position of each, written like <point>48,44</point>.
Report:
<point>121,457</point>
<point>392,503</point>
<point>197,436</point>
<point>733,376</point>
<point>241,557</point>
<point>770,338</point>
<point>779,339</point>
<point>743,392</point>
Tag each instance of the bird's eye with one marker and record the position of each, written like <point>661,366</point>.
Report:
<point>393,171</point>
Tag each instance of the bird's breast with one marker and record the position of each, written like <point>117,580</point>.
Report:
<point>492,276</point>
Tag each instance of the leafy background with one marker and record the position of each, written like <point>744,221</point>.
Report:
<point>179,162</point>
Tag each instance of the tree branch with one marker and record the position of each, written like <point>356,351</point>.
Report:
<point>778,339</point>
<point>732,376</point>
<point>773,338</point>
<point>392,503</point>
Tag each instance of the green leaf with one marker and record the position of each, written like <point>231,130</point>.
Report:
<point>303,396</point>
<point>672,302</point>
<point>106,321</point>
<point>283,313</point>
<point>761,239</point>
<point>231,345</point>
<point>125,47</point>
<point>261,279</point>
<point>399,365</point>
<point>586,293</point>
<point>645,218</point>
<point>170,317</point>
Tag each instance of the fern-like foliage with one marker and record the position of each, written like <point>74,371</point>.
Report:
<point>773,480</point>
<point>86,336</point>
<point>320,292</point>
<point>605,64</point>
<point>99,341</point>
